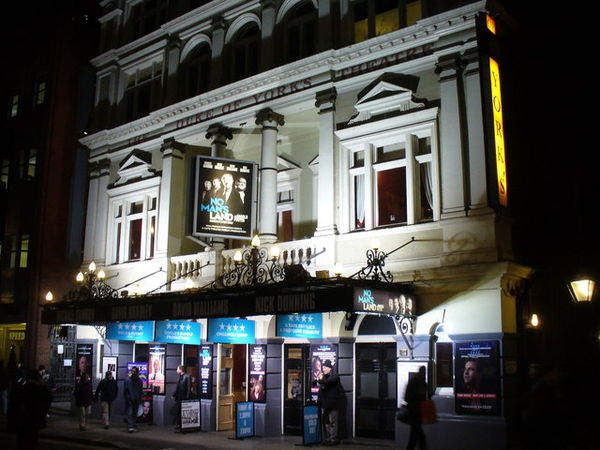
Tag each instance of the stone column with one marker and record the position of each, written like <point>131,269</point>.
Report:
<point>452,154</point>
<point>172,55</point>
<point>326,211</point>
<point>267,28</point>
<point>267,222</point>
<point>218,148</point>
<point>218,43</point>
<point>219,135</point>
<point>172,199</point>
<point>97,213</point>
<point>474,118</point>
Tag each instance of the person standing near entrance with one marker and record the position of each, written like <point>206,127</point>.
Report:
<point>416,393</point>
<point>330,398</point>
<point>107,391</point>
<point>182,392</point>
<point>83,399</point>
<point>133,397</point>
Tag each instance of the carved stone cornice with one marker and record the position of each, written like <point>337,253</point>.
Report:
<point>268,117</point>
<point>219,132</point>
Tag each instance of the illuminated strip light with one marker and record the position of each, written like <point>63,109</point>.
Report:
<point>498,132</point>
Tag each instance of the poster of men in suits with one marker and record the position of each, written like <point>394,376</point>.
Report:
<point>224,200</point>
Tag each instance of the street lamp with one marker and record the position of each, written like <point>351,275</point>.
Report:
<point>582,290</point>
<point>254,266</point>
<point>90,285</point>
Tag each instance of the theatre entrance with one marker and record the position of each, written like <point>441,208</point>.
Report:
<point>376,390</point>
<point>231,383</point>
<point>297,387</point>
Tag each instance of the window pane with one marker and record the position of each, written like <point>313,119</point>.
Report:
<point>118,249</point>
<point>286,226</point>
<point>359,201</point>
<point>391,152</point>
<point>391,196</point>
<point>152,232</point>
<point>135,239</point>
<point>358,159</point>
<point>413,12</point>
<point>426,192</point>
<point>24,251</point>
<point>369,385</point>
<point>387,21</point>
<point>136,207</point>
<point>32,162</point>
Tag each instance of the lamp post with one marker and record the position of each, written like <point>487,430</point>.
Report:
<point>582,289</point>
<point>91,286</point>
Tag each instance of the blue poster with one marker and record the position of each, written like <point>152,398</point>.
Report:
<point>131,331</point>
<point>311,430</point>
<point>244,413</point>
<point>231,331</point>
<point>177,332</point>
<point>300,326</point>
<point>142,371</point>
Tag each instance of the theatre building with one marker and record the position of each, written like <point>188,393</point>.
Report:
<point>274,184</point>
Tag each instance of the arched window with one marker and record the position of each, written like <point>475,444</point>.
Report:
<point>245,52</point>
<point>300,31</point>
<point>197,71</point>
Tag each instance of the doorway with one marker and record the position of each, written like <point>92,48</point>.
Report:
<point>231,383</point>
<point>376,390</point>
<point>297,387</point>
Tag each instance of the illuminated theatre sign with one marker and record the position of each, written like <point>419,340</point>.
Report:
<point>306,300</point>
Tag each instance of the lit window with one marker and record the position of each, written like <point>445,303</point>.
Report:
<point>390,180</point>
<point>32,163</point>
<point>39,94</point>
<point>5,173</point>
<point>24,251</point>
<point>376,17</point>
<point>14,106</point>
<point>133,228</point>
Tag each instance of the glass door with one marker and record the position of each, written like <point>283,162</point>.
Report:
<point>297,389</point>
<point>376,390</point>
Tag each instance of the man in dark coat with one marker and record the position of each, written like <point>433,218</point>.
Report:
<point>107,391</point>
<point>416,392</point>
<point>330,398</point>
<point>83,399</point>
<point>183,391</point>
<point>28,407</point>
<point>133,396</point>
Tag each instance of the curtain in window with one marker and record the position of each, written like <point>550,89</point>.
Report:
<point>426,183</point>
<point>359,200</point>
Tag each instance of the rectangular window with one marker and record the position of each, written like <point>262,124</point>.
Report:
<point>32,163</point>
<point>152,233</point>
<point>359,201</point>
<point>377,17</point>
<point>39,93</point>
<point>4,173</point>
<point>14,106</point>
<point>24,251</point>
<point>285,226</point>
<point>135,239</point>
<point>391,196</point>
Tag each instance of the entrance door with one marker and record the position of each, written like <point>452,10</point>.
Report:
<point>231,383</point>
<point>297,389</point>
<point>376,389</point>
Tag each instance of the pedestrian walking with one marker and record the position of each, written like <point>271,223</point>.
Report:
<point>83,399</point>
<point>415,394</point>
<point>28,407</point>
<point>107,391</point>
<point>183,391</point>
<point>133,397</point>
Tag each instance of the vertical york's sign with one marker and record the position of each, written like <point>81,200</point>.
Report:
<point>498,132</point>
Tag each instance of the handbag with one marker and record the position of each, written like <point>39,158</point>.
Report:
<point>428,412</point>
<point>402,414</point>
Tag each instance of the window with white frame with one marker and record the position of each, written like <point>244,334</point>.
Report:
<point>391,178</point>
<point>133,228</point>
<point>285,212</point>
<point>141,87</point>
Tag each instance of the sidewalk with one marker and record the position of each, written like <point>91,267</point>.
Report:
<point>150,437</point>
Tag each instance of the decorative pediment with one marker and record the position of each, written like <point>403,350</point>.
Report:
<point>135,167</point>
<point>389,94</point>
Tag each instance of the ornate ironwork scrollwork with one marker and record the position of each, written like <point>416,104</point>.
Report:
<point>375,267</point>
<point>91,287</point>
<point>253,267</point>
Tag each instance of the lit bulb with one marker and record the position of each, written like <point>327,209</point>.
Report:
<point>535,321</point>
<point>79,277</point>
<point>92,266</point>
<point>256,241</point>
<point>237,256</point>
<point>275,252</point>
<point>49,296</point>
<point>337,270</point>
<point>375,244</point>
<point>101,275</point>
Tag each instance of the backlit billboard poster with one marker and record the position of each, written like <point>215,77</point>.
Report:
<point>85,358</point>
<point>477,378</point>
<point>320,355</point>
<point>257,373</point>
<point>223,198</point>
<point>156,375</point>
